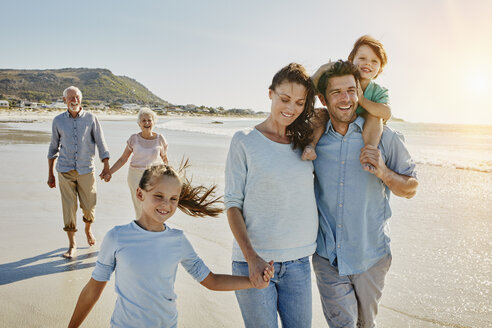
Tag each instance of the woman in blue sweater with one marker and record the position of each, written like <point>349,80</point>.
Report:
<point>271,208</point>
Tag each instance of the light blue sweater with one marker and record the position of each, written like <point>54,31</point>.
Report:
<point>274,189</point>
<point>145,265</point>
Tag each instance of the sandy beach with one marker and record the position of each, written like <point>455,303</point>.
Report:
<point>440,277</point>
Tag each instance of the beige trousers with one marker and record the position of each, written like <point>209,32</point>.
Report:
<point>73,185</point>
<point>134,176</point>
<point>350,301</point>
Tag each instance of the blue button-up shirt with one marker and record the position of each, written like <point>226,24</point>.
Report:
<point>353,204</point>
<point>73,141</point>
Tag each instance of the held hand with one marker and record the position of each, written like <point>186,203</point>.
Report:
<point>105,172</point>
<point>51,181</point>
<point>372,156</point>
<point>267,275</point>
<point>256,267</point>
<point>269,272</point>
<point>107,177</point>
<point>317,75</point>
<point>309,154</point>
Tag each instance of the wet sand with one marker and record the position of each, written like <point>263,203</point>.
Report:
<point>440,276</point>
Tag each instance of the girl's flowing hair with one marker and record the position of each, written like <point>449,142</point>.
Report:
<point>193,200</point>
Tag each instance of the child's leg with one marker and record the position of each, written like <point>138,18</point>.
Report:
<point>373,129</point>
<point>319,127</point>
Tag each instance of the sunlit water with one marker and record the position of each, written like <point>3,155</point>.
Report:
<point>457,146</point>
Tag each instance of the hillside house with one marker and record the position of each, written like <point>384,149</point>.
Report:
<point>130,107</point>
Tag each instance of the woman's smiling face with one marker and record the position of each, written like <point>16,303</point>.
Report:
<point>288,101</point>
<point>146,122</point>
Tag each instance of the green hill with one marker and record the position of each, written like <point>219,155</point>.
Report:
<point>99,85</point>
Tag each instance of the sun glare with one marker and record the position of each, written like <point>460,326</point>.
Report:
<point>479,83</point>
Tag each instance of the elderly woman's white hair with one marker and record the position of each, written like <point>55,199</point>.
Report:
<point>146,110</point>
<point>70,88</point>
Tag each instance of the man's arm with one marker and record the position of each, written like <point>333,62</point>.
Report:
<point>53,153</point>
<point>400,185</point>
<point>51,175</point>
<point>98,135</point>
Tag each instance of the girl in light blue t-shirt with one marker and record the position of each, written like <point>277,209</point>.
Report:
<point>145,255</point>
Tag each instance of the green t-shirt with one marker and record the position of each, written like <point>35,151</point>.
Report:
<point>374,92</point>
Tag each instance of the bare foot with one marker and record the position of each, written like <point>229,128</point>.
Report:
<point>91,240</point>
<point>70,253</point>
<point>309,154</point>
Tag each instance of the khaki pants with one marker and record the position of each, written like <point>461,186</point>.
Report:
<point>353,300</point>
<point>134,176</point>
<point>72,184</point>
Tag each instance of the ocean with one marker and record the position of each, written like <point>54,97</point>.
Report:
<point>467,147</point>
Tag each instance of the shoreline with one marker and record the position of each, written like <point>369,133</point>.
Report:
<point>34,115</point>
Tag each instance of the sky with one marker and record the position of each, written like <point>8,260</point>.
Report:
<point>225,53</point>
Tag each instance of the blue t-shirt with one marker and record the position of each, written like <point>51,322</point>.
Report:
<point>376,93</point>
<point>145,265</point>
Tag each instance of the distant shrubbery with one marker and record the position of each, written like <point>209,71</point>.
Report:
<point>95,84</point>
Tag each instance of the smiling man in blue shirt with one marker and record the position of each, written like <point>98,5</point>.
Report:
<point>75,134</point>
<point>353,252</point>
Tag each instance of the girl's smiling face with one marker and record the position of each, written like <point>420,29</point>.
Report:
<point>367,62</point>
<point>159,202</point>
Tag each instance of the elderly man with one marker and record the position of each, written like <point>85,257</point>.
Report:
<point>353,252</point>
<point>75,133</point>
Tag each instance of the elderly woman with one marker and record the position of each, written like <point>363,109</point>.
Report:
<point>271,208</point>
<point>148,148</point>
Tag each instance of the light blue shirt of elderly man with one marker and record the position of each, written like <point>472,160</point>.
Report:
<point>353,246</point>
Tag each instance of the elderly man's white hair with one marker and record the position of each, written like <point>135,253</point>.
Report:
<point>146,110</point>
<point>70,88</point>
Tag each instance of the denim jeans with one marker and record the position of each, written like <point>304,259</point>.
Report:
<point>289,294</point>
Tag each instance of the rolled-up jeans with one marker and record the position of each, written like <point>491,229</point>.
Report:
<point>289,293</point>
